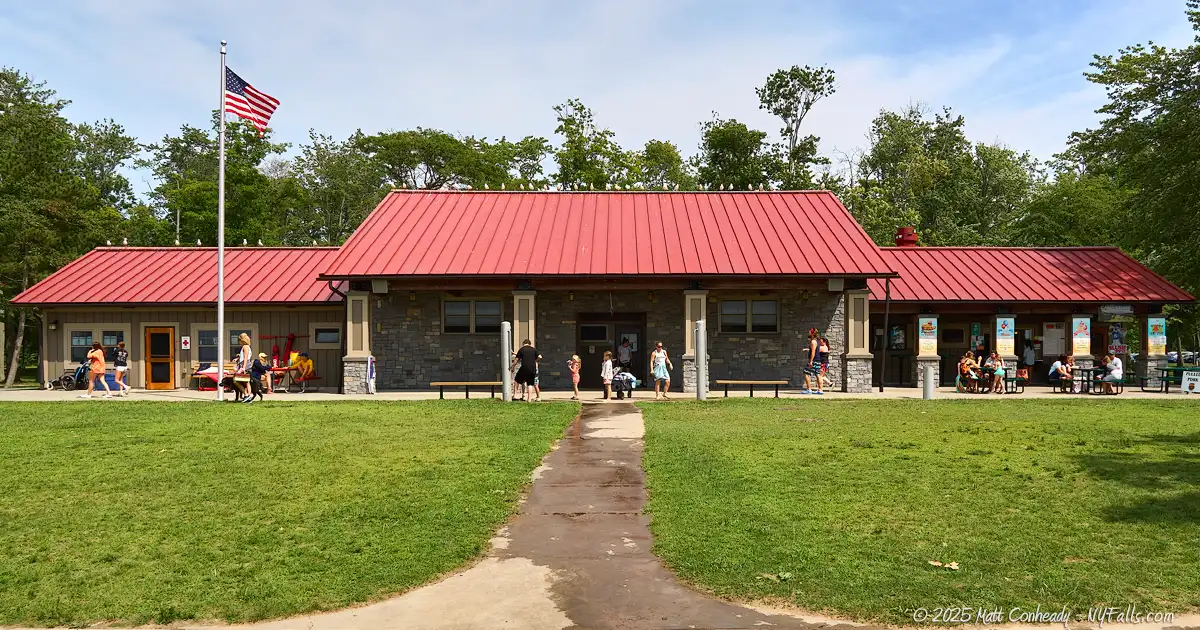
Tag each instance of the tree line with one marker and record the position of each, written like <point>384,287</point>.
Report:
<point>1133,181</point>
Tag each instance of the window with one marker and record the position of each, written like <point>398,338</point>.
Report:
<point>756,316</point>
<point>328,335</point>
<point>81,343</point>
<point>471,316</point>
<point>110,339</point>
<point>954,336</point>
<point>234,345</point>
<point>324,336</point>
<point>206,346</point>
<point>593,332</point>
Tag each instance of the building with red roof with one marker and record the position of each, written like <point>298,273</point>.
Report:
<point>424,284</point>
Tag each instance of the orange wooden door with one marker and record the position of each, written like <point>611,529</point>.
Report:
<point>160,358</point>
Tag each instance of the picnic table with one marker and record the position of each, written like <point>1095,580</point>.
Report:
<point>1094,383</point>
<point>1168,375</point>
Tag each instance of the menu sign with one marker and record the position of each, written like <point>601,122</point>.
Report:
<point>1156,336</point>
<point>1081,336</point>
<point>927,336</point>
<point>1005,336</point>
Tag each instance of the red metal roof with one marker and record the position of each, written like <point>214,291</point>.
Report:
<point>1058,274</point>
<point>479,233</point>
<point>187,276</point>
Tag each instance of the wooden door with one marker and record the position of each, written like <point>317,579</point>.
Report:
<point>160,358</point>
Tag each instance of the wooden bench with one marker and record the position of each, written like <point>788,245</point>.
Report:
<point>751,384</point>
<point>442,385</point>
<point>202,378</point>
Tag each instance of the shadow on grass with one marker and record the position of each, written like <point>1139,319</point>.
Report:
<point>1168,476</point>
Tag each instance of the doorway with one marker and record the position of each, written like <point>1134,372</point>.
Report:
<point>600,332</point>
<point>160,358</point>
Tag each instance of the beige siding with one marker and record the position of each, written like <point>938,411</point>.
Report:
<point>267,321</point>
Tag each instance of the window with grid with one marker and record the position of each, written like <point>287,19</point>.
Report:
<point>471,316</point>
<point>110,339</point>
<point>81,343</point>
<point>756,316</point>
<point>235,346</point>
<point>764,316</point>
<point>206,346</point>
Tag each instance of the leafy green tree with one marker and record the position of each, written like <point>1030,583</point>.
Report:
<point>589,156</point>
<point>790,94</point>
<point>433,159</point>
<point>1075,208</point>
<point>661,166</point>
<point>339,186</point>
<point>1149,142</point>
<point>736,157</point>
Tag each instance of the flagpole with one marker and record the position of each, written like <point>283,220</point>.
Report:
<point>221,345</point>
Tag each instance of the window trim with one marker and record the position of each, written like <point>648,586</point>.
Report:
<point>471,315</point>
<point>97,331</point>
<point>749,301</point>
<point>312,335</point>
<point>193,355</point>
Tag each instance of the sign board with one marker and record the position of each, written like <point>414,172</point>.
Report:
<point>927,336</point>
<point>371,374</point>
<point>185,342</point>
<point>1110,311</point>
<point>1191,383</point>
<point>1156,336</point>
<point>1054,335</point>
<point>1005,336</point>
<point>1116,339</point>
<point>1081,336</point>
<point>975,329</point>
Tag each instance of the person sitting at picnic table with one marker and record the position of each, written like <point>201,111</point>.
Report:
<point>1059,371</point>
<point>996,364</point>
<point>968,379</point>
<point>1116,372</point>
<point>303,367</point>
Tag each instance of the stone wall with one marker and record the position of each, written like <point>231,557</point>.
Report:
<point>411,350</point>
<point>857,375</point>
<point>558,317</point>
<point>919,364</point>
<point>354,375</point>
<point>1149,367</point>
<point>782,355</point>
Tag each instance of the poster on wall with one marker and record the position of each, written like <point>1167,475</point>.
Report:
<point>1005,340</point>
<point>1156,336</point>
<point>927,336</point>
<point>1116,339</point>
<point>1081,336</point>
<point>1053,340</point>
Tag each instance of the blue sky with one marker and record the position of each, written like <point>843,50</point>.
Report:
<point>649,69</point>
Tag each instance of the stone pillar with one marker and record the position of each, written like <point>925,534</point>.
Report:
<point>927,350</point>
<point>695,307</point>
<point>358,342</point>
<point>1152,348</point>
<point>857,363</point>
<point>524,318</point>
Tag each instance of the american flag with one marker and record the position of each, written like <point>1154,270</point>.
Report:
<point>241,99</point>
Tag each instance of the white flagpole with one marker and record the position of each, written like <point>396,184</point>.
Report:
<point>222,342</point>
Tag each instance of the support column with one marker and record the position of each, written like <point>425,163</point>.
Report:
<point>927,350</point>
<point>695,307</point>
<point>1079,339</point>
<point>1152,348</point>
<point>524,316</point>
<point>355,378</point>
<point>856,368</point>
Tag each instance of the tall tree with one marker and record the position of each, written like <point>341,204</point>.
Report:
<point>734,156</point>
<point>434,159</point>
<point>341,185</point>
<point>1149,142</point>
<point>589,156</point>
<point>790,94</point>
<point>662,166</point>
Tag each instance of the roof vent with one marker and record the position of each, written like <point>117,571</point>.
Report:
<point>906,237</point>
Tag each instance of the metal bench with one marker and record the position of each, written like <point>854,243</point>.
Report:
<point>442,385</point>
<point>751,384</point>
<point>1014,385</point>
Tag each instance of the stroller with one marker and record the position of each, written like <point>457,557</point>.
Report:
<point>71,379</point>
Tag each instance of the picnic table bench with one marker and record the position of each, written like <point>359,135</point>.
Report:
<point>751,384</point>
<point>1014,384</point>
<point>442,385</point>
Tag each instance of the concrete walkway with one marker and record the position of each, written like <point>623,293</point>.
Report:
<point>578,555</point>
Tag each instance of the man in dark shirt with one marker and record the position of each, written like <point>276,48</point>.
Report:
<point>528,357</point>
<point>981,354</point>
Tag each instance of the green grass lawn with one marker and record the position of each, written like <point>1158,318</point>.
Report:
<point>1072,502</point>
<point>152,512</point>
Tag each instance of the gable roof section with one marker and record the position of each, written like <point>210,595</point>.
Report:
<point>530,234</point>
<point>1058,274</point>
<point>187,276</point>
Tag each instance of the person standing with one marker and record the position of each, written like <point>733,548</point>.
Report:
<point>527,357</point>
<point>661,367</point>
<point>812,371</point>
<point>574,365</point>
<point>96,371</point>
<point>606,374</point>
<point>625,354</point>
<point>241,369</point>
<point>121,367</point>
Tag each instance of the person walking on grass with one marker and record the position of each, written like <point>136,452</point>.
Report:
<point>96,371</point>
<point>660,365</point>
<point>812,370</point>
<point>606,374</point>
<point>574,366</point>
<point>121,367</point>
